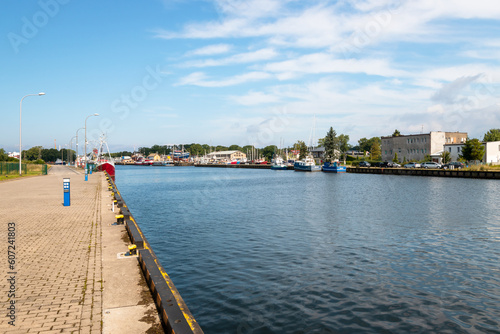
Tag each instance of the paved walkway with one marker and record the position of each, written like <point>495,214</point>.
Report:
<point>67,277</point>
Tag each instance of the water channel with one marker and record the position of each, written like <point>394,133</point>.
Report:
<point>261,251</point>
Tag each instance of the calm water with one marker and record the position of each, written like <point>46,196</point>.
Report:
<point>261,251</point>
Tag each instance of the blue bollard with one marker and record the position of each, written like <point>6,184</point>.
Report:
<point>86,175</point>
<point>66,190</point>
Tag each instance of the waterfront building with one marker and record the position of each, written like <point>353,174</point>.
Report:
<point>318,154</point>
<point>154,157</point>
<point>227,156</point>
<point>416,147</point>
<point>491,152</point>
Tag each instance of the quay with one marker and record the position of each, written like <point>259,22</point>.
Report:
<point>252,166</point>
<point>388,171</point>
<point>427,172</point>
<point>64,269</point>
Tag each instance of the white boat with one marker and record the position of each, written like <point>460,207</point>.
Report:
<point>307,165</point>
<point>279,164</point>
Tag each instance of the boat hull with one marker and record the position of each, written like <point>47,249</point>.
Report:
<point>107,167</point>
<point>307,168</point>
<point>278,167</point>
<point>333,168</point>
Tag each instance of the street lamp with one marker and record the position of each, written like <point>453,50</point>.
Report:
<point>70,148</point>
<point>20,123</point>
<point>96,114</point>
<point>77,143</point>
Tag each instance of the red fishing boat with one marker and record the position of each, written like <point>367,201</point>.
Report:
<point>105,162</point>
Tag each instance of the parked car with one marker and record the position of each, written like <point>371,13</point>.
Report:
<point>412,165</point>
<point>455,164</point>
<point>364,164</point>
<point>430,164</point>
<point>389,164</point>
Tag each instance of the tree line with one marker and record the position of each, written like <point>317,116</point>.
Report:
<point>41,155</point>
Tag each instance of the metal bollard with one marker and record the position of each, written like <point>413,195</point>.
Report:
<point>66,190</point>
<point>120,219</point>
<point>132,250</point>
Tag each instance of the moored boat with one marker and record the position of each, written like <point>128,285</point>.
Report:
<point>333,167</point>
<point>103,162</point>
<point>307,165</point>
<point>279,164</point>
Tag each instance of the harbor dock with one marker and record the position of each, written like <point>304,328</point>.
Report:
<point>474,174</point>
<point>63,269</point>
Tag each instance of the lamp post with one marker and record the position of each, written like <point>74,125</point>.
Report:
<point>70,148</point>
<point>20,128</point>
<point>96,114</point>
<point>77,143</point>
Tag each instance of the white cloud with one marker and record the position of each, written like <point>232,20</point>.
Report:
<point>210,50</point>
<point>242,58</point>
<point>325,63</point>
<point>326,44</point>
<point>199,79</point>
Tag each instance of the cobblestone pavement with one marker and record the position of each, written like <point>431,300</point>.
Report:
<point>56,282</point>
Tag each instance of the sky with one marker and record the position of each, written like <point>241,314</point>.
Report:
<point>258,72</point>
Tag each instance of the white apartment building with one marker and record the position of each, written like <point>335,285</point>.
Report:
<point>416,147</point>
<point>491,152</point>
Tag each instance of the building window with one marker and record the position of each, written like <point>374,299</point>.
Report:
<point>449,149</point>
<point>458,149</point>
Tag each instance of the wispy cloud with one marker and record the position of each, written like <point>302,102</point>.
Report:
<point>200,79</point>
<point>242,58</point>
<point>210,50</point>
<point>449,92</point>
<point>358,59</point>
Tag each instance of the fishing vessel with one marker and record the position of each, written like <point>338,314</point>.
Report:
<point>279,164</point>
<point>307,165</point>
<point>105,162</point>
<point>333,167</point>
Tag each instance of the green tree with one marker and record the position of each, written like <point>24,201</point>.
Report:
<point>3,156</point>
<point>321,142</point>
<point>331,145</point>
<point>302,147</point>
<point>222,148</point>
<point>473,150</point>
<point>344,145</point>
<point>366,144</point>
<point>396,133</point>
<point>446,157</point>
<point>492,135</point>
<point>195,150</point>
<point>50,155</point>
<point>206,148</point>
<point>268,152</point>
<point>375,151</point>
<point>235,148</point>
<point>33,153</point>
<point>396,159</point>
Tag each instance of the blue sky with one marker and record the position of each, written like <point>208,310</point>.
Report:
<point>246,72</point>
